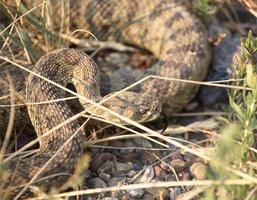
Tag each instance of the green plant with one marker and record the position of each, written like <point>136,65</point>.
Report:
<point>233,148</point>
<point>203,8</point>
<point>243,102</point>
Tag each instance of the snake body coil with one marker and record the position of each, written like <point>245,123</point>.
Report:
<point>163,27</point>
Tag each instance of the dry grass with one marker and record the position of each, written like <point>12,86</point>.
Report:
<point>164,140</point>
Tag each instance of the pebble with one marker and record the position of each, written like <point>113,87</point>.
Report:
<point>147,176</point>
<point>160,173</point>
<point>115,181</point>
<point>97,183</point>
<point>106,177</point>
<point>124,167</point>
<point>137,165</point>
<point>174,193</point>
<point>186,176</point>
<point>130,157</point>
<point>176,156</point>
<point>107,167</point>
<point>159,193</point>
<point>100,159</point>
<point>178,164</point>
<point>128,143</point>
<point>132,173</point>
<point>148,196</point>
<point>109,198</point>
<point>136,193</point>
<point>170,177</point>
<point>199,170</point>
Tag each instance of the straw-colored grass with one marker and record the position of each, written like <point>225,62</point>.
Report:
<point>239,176</point>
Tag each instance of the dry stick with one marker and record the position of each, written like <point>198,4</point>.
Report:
<point>153,133</point>
<point>88,43</point>
<point>6,42</point>
<point>251,194</point>
<point>193,193</point>
<point>29,11</point>
<point>36,103</point>
<point>127,128</point>
<point>201,83</point>
<point>151,185</point>
<point>11,119</point>
<point>131,130</point>
<point>194,114</point>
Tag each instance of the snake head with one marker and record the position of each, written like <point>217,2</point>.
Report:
<point>139,107</point>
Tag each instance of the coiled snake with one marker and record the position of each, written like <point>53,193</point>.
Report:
<point>164,27</point>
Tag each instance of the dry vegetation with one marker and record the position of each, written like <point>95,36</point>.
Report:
<point>222,142</point>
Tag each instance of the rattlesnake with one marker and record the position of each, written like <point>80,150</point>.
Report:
<point>164,27</point>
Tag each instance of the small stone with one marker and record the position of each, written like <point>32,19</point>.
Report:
<point>137,165</point>
<point>124,167</point>
<point>177,156</point>
<point>159,193</point>
<point>115,181</point>
<point>132,173</point>
<point>130,157</point>
<point>178,165</point>
<point>107,167</point>
<point>159,172</point>
<point>186,176</point>
<point>99,160</point>
<point>199,170</point>
<point>147,176</point>
<point>136,193</point>
<point>109,198</point>
<point>87,174</point>
<point>128,144</point>
<point>106,177</point>
<point>148,196</point>
<point>174,193</point>
<point>97,183</point>
<point>170,177</point>
<point>89,198</point>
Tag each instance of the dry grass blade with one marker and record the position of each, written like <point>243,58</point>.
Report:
<point>11,120</point>
<point>95,45</point>
<point>250,5</point>
<point>152,185</point>
<point>151,132</point>
<point>193,193</point>
<point>36,103</point>
<point>19,18</point>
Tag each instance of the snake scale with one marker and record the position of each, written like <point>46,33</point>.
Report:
<point>163,27</point>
